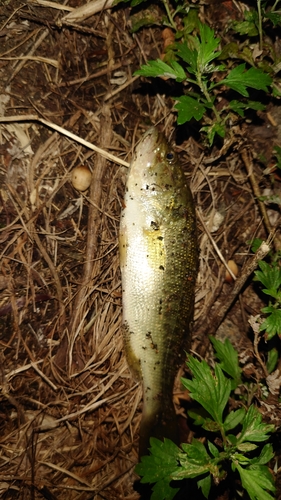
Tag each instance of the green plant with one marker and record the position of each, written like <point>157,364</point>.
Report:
<point>196,68</point>
<point>206,68</point>
<point>237,436</point>
<point>270,277</point>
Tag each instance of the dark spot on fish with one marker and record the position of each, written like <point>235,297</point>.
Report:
<point>161,268</point>
<point>160,238</point>
<point>154,225</point>
<point>147,186</point>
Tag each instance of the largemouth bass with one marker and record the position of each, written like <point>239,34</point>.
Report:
<point>159,260</point>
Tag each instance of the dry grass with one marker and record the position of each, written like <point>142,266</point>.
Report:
<point>69,408</point>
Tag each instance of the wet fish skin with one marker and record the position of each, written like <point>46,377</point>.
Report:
<point>159,262</point>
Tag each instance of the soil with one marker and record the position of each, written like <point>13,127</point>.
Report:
<point>69,408</point>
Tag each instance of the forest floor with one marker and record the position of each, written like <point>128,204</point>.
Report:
<point>69,409</point>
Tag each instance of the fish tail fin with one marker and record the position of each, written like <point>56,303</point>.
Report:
<point>161,424</point>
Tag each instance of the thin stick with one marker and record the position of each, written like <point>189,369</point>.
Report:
<point>61,130</point>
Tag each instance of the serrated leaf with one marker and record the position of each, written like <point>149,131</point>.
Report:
<point>161,463</point>
<point>195,461</point>
<point>163,491</point>
<point>233,419</point>
<point>211,391</point>
<point>253,428</point>
<point>239,79</point>
<point>160,68</point>
<point>188,55</point>
<point>249,26</point>
<point>256,480</point>
<point>208,47</point>
<point>189,108</point>
<point>269,276</point>
<point>228,357</point>
<point>272,324</point>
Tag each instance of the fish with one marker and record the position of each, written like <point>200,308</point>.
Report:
<point>159,263</point>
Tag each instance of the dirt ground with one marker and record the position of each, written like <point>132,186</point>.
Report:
<point>69,409</point>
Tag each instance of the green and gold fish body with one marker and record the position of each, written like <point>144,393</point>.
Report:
<point>159,260</point>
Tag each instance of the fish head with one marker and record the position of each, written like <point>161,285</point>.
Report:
<point>154,167</point>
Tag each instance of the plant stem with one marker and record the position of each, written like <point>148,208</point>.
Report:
<point>170,17</point>
<point>204,90</point>
<point>274,6</point>
<point>260,23</point>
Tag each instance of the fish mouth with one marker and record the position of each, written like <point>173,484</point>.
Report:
<point>148,147</point>
<point>151,139</point>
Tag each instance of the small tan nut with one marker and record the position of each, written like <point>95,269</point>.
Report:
<point>81,178</point>
<point>234,268</point>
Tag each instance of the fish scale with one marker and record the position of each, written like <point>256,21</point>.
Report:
<point>159,262</point>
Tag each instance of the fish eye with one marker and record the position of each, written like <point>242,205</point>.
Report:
<point>170,156</point>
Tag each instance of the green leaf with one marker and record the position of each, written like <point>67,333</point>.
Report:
<point>160,68</point>
<point>272,324</point>
<point>216,128</point>
<point>211,391</point>
<point>233,419</point>
<point>272,359</point>
<point>255,245</point>
<point>256,480</point>
<point>162,461</point>
<point>189,108</point>
<point>246,447</point>
<point>189,56</point>
<point>264,457</point>
<point>274,17</point>
<point>200,419</point>
<point>253,428</point>
<point>239,79</point>
<point>163,491</point>
<point>195,461</point>
<point>228,357</point>
<point>208,48</point>
<point>249,26</point>
<point>239,107</point>
<point>205,485</point>
<point>269,276</point>
<point>213,449</point>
